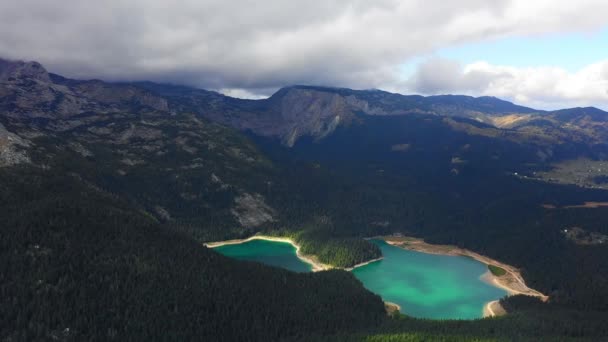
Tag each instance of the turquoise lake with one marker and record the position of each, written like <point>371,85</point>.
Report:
<point>424,285</point>
<point>279,254</point>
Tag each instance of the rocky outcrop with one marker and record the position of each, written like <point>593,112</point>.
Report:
<point>15,70</point>
<point>12,148</point>
<point>251,210</point>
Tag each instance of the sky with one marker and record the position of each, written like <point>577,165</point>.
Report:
<point>545,54</point>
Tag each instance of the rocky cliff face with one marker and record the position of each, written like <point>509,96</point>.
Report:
<point>309,112</point>
<point>299,111</point>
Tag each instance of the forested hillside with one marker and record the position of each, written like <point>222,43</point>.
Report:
<point>78,265</point>
<point>82,265</point>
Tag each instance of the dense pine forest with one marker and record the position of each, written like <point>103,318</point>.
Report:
<point>79,265</point>
<point>83,265</point>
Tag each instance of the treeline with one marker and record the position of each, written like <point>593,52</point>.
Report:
<point>530,320</point>
<point>315,239</point>
<point>340,252</point>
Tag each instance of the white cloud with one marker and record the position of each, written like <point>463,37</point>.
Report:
<point>250,46</point>
<point>241,93</point>
<point>540,87</point>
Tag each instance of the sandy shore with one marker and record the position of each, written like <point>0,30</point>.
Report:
<point>391,307</point>
<point>512,281</point>
<point>316,265</point>
<point>309,259</point>
<point>493,308</point>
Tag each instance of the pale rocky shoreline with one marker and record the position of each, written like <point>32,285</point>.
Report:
<point>493,309</point>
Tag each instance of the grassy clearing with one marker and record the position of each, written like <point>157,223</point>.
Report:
<point>497,271</point>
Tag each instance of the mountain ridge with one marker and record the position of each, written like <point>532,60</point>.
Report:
<point>19,68</point>
<point>291,113</point>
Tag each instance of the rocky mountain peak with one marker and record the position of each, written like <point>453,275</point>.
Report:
<point>308,111</point>
<point>18,70</point>
<point>27,89</point>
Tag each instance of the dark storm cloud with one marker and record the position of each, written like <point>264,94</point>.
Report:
<point>260,45</point>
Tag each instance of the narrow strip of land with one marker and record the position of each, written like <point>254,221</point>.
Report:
<point>363,264</point>
<point>586,205</point>
<point>493,308</point>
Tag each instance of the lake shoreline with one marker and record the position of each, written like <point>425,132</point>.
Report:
<point>309,259</point>
<point>512,281</point>
<point>493,309</point>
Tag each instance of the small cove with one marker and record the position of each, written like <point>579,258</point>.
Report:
<point>278,254</point>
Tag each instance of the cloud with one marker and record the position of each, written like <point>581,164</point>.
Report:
<point>438,75</point>
<point>248,47</point>
<point>540,87</point>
